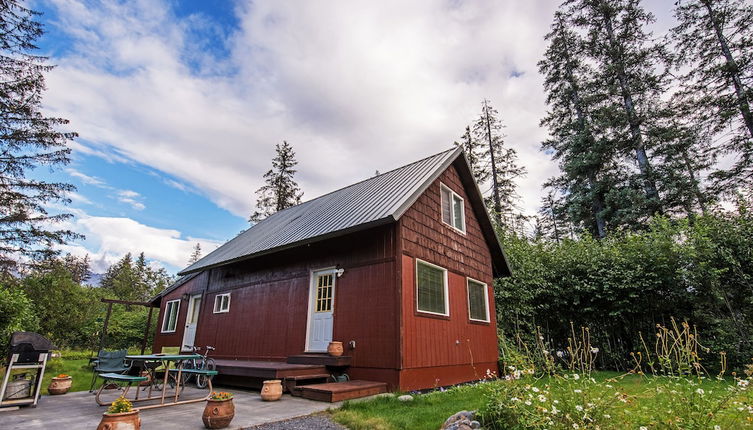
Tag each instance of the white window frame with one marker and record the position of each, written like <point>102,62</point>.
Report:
<point>218,309</point>
<point>486,298</point>
<point>446,289</point>
<point>453,194</point>
<point>166,317</point>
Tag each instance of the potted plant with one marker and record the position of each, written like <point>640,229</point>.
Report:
<point>120,416</point>
<point>219,410</point>
<point>60,384</point>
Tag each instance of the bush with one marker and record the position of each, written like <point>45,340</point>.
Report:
<point>16,314</point>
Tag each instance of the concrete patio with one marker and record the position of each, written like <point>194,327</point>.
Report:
<point>79,411</point>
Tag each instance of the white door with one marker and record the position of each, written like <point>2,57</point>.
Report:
<point>192,318</point>
<point>321,310</point>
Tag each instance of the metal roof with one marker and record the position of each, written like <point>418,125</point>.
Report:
<point>378,200</point>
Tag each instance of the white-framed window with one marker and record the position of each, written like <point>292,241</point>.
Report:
<point>170,319</point>
<point>478,301</point>
<point>453,208</point>
<point>222,303</point>
<point>431,289</point>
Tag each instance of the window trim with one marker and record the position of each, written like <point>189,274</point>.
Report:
<point>446,289</point>
<point>166,316</point>
<point>453,194</point>
<point>221,311</point>
<point>468,281</point>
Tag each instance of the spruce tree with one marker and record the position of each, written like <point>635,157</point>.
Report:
<point>195,254</point>
<point>473,152</point>
<point>714,49</point>
<point>498,164</point>
<point>28,140</point>
<point>627,75</point>
<point>280,190</point>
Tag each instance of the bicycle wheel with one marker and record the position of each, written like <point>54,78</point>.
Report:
<point>203,380</point>
<point>184,377</point>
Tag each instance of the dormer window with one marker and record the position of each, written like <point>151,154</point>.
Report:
<point>453,209</point>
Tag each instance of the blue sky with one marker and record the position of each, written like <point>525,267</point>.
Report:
<point>179,103</point>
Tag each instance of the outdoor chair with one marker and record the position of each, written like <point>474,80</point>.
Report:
<point>109,362</point>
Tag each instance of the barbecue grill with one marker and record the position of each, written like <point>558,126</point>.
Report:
<point>26,351</point>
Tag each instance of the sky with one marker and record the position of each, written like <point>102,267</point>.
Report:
<point>179,104</point>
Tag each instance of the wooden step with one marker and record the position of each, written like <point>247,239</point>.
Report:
<point>265,369</point>
<point>339,391</point>
<point>320,360</point>
<point>293,384</point>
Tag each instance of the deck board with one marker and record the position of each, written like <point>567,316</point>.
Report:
<point>266,369</point>
<point>338,391</point>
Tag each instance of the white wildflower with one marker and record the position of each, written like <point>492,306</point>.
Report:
<point>700,391</point>
<point>576,376</point>
<point>607,416</point>
<point>560,354</point>
<point>535,389</point>
<point>578,408</point>
<point>542,398</point>
<point>577,391</point>
<point>594,350</point>
<point>555,410</point>
<point>717,427</point>
<point>643,428</point>
<point>514,399</point>
<point>743,383</point>
<point>576,426</point>
<point>528,403</point>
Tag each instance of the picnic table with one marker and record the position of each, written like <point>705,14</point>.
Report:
<point>175,371</point>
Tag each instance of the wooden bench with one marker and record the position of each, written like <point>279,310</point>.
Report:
<point>196,371</point>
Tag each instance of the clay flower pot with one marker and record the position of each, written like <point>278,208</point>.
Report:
<point>60,385</point>
<point>120,421</point>
<point>335,349</point>
<point>272,390</point>
<point>218,413</point>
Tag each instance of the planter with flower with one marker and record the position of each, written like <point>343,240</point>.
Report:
<point>219,411</point>
<point>120,416</point>
<point>60,384</point>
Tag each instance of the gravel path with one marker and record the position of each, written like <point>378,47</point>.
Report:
<point>311,422</point>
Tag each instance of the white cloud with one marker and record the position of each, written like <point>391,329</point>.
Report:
<point>354,86</point>
<point>91,180</point>
<point>109,238</point>
<point>131,198</point>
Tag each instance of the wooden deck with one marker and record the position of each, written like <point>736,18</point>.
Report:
<point>320,359</point>
<point>338,391</point>
<point>266,369</point>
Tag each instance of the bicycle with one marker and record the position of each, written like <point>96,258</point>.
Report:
<point>204,363</point>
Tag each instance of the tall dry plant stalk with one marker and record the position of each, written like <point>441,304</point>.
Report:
<point>675,352</point>
<point>581,355</point>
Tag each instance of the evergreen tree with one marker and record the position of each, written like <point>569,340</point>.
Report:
<point>583,153</point>
<point>499,164</point>
<point>714,47</point>
<point>549,222</point>
<point>280,190</point>
<point>626,75</point>
<point>134,280</point>
<point>473,152</point>
<point>28,140</point>
<point>195,255</point>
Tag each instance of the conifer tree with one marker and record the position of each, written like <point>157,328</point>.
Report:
<point>134,280</point>
<point>195,254</point>
<point>473,151</point>
<point>626,76</point>
<point>498,164</point>
<point>28,139</point>
<point>280,190</point>
<point>714,47</point>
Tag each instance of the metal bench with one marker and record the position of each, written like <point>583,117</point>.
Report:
<point>109,377</point>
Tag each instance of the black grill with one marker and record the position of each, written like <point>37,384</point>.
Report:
<point>28,345</point>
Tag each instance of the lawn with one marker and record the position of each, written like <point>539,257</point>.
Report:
<point>647,402</point>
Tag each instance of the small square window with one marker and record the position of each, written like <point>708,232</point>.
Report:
<point>431,287</point>
<point>170,320</point>
<point>222,303</point>
<point>478,301</point>
<point>453,209</point>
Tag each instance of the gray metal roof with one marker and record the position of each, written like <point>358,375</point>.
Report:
<point>378,200</point>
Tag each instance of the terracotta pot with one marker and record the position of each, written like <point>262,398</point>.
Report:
<point>335,349</point>
<point>60,385</point>
<point>272,390</point>
<point>122,421</point>
<point>218,413</point>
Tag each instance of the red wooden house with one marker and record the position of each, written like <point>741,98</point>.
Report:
<point>398,267</point>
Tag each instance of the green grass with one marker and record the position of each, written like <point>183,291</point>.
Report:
<point>427,411</point>
<point>431,410</point>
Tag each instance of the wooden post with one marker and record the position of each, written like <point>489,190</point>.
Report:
<point>146,330</point>
<point>104,327</point>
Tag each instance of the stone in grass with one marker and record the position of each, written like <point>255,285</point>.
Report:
<point>463,420</point>
<point>405,398</point>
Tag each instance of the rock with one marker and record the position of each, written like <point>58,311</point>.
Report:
<point>405,398</point>
<point>463,420</point>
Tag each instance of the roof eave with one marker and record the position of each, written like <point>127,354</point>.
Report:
<point>356,228</point>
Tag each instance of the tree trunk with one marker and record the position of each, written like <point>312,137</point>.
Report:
<point>696,186</point>
<point>495,181</point>
<point>732,69</point>
<point>649,185</point>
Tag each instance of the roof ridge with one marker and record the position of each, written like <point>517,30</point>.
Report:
<point>455,148</point>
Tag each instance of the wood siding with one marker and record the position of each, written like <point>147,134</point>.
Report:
<point>269,303</point>
<point>439,350</point>
<point>194,286</point>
